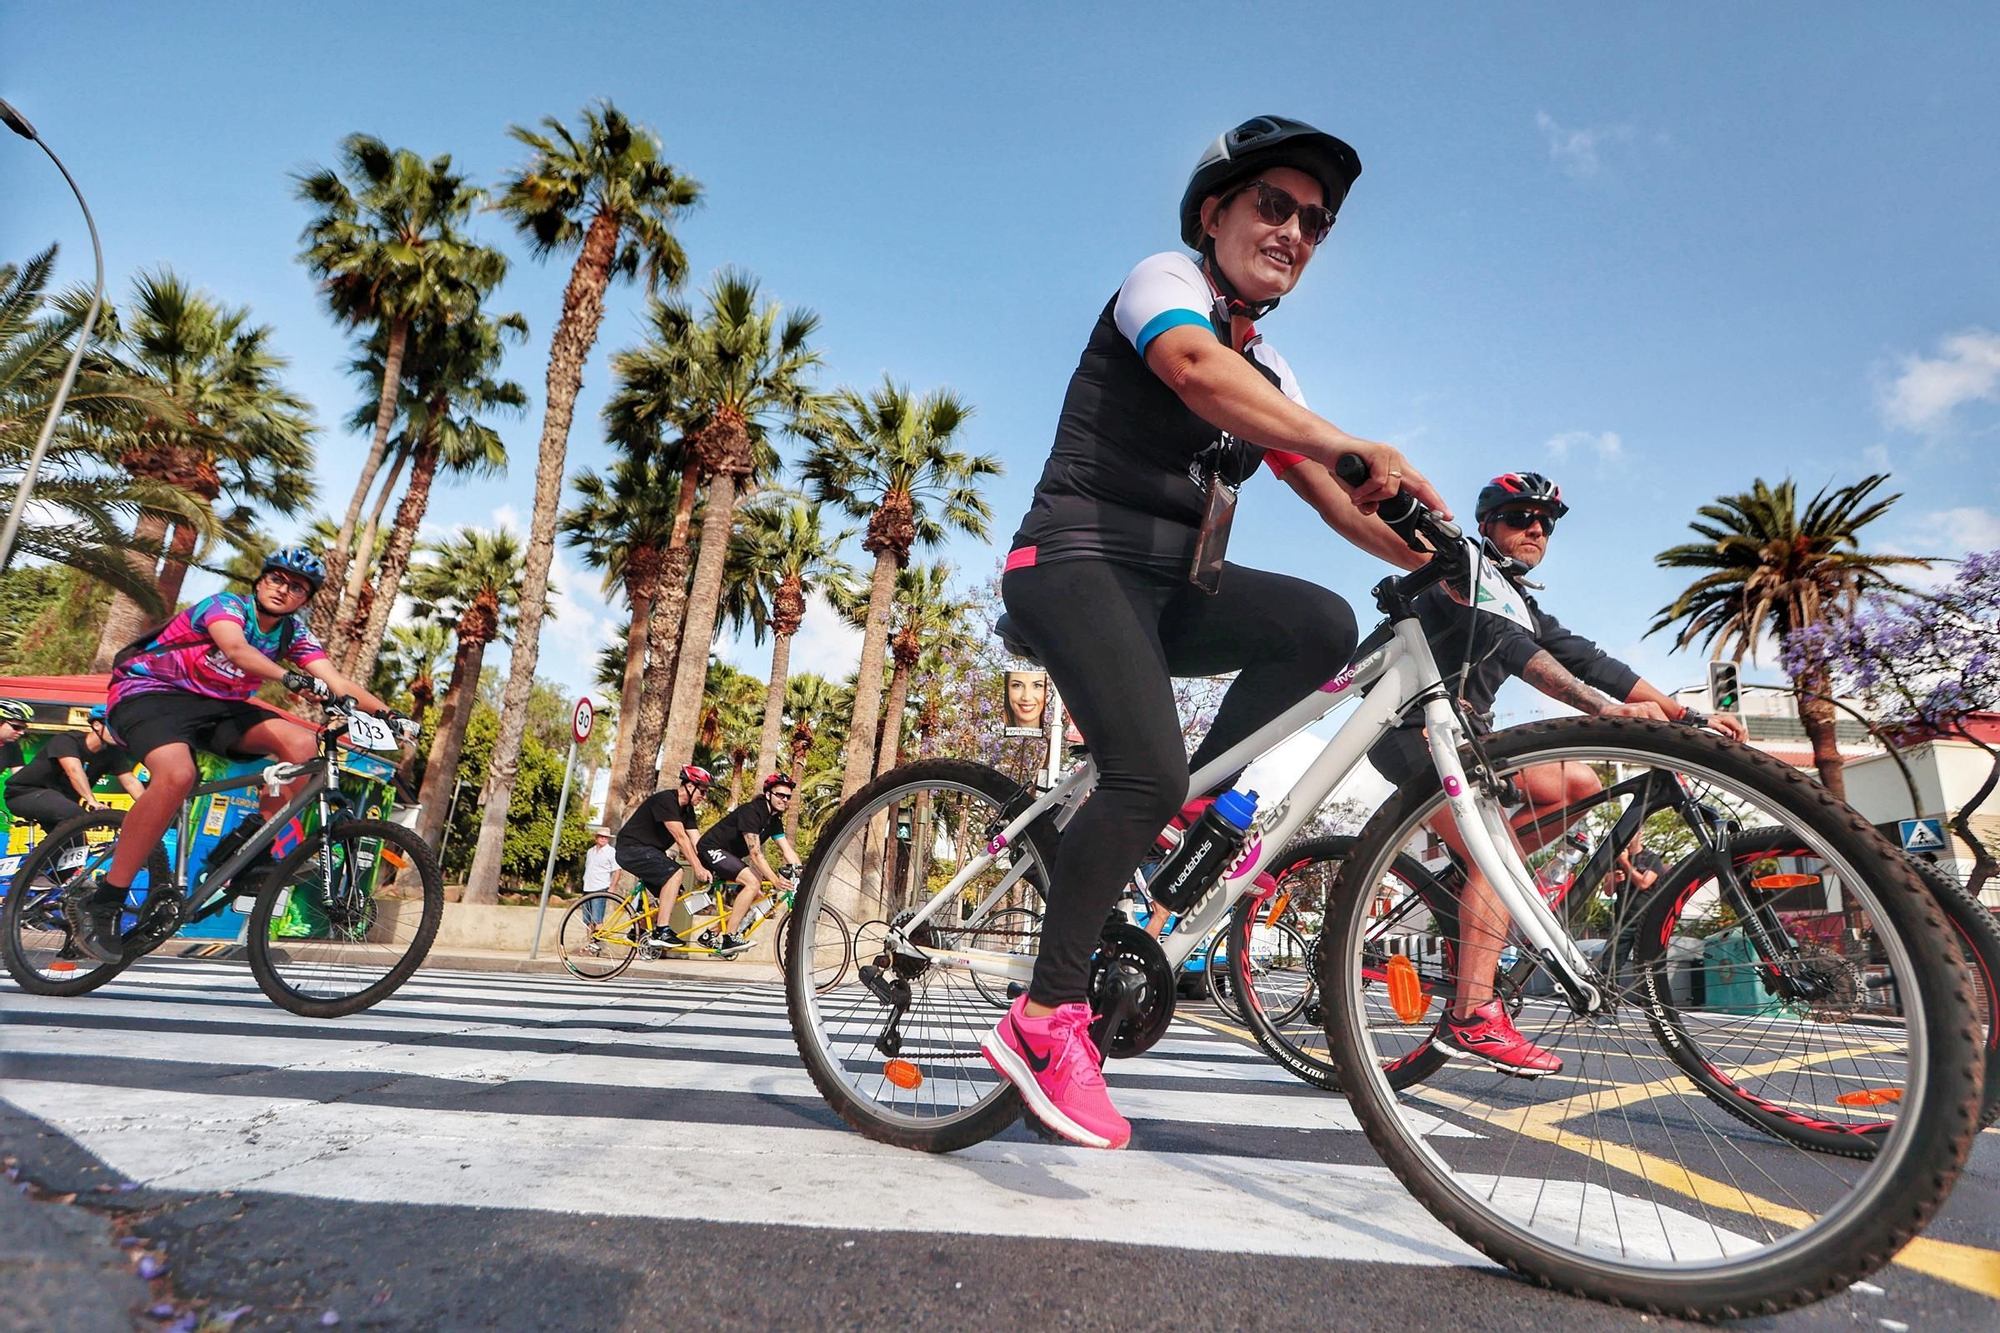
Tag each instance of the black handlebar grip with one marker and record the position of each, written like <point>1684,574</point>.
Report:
<point>1352,469</point>
<point>1400,511</point>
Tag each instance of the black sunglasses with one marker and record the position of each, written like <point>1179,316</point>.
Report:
<point>1523,519</point>
<point>780,794</point>
<point>1276,206</point>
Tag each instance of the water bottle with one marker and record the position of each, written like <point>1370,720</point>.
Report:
<point>1205,851</point>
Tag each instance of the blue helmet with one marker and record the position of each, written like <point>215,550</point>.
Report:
<point>296,560</point>
<point>97,713</point>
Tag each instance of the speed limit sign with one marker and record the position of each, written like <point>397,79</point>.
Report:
<point>580,721</point>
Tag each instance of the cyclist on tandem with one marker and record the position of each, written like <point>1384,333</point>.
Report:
<point>734,850</point>
<point>188,687</point>
<point>663,824</point>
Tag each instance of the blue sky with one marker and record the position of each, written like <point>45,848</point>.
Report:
<point>1656,255</point>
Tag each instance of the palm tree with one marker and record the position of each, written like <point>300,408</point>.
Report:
<point>930,619</point>
<point>385,244</point>
<point>749,379</point>
<point>610,197</point>
<point>622,524</point>
<point>414,657</point>
<point>471,580</point>
<point>891,461</point>
<point>813,703</point>
<point>1775,571</point>
<point>450,385</point>
<point>83,505</point>
<point>732,706</point>
<point>783,556</point>
<point>233,430</point>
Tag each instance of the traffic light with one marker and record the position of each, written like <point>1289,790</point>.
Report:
<point>1725,687</point>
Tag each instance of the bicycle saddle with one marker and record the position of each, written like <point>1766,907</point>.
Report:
<point>1011,640</point>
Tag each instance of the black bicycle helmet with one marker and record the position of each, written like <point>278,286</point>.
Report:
<point>1260,142</point>
<point>1520,488</point>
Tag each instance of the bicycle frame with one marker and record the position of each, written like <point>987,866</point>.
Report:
<point>1405,679</point>
<point>319,782</point>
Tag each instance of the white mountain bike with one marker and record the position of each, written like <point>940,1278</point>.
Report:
<point>1616,1178</point>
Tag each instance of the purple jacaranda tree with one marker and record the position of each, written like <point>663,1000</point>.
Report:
<point>1932,661</point>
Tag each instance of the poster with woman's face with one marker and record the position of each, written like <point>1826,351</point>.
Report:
<point>1027,703</point>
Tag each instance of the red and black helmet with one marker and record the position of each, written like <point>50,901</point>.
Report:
<point>697,776</point>
<point>1520,488</point>
<point>780,780</point>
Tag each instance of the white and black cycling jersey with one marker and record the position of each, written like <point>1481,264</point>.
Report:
<point>1125,479</point>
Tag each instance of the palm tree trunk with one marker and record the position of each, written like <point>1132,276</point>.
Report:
<point>395,562</point>
<point>691,672</point>
<point>327,618</point>
<point>583,312</point>
<point>359,604</point>
<point>173,571</point>
<point>774,708</point>
<point>663,639</point>
<point>640,598</point>
<point>800,746</point>
<point>448,745</point>
<point>1817,716</point>
<point>868,684</point>
<point>892,718</point>
<point>126,619</point>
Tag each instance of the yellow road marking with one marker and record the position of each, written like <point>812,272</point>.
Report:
<point>1214,1026</point>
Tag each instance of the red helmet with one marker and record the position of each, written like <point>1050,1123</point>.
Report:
<point>698,776</point>
<point>779,780</point>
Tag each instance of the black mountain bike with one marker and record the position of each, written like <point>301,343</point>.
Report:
<point>341,920</point>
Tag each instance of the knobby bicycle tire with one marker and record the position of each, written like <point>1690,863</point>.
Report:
<point>1978,931</point>
<point>266,965</point>
<point>36,864</point>
<point>1901,1189</point>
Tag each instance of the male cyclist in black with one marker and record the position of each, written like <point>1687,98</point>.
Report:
<point>1517,512</point>
<point>664,824</point>
<point>15,718</point>
<point>734,849</point>
<point>58,785</point>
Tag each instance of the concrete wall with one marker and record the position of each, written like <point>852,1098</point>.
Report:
<point>478,926</point>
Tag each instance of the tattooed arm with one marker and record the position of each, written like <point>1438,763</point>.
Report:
<point>1554,679</point>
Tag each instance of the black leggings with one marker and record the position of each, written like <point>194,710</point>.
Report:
<point>1113,637</point>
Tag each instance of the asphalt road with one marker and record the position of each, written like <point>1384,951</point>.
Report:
<point>529,1153</point>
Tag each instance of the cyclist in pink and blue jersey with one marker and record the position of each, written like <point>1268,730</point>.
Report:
<point>189,687</point>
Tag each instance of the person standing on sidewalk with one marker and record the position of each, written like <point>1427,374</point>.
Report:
<point>600,864</point>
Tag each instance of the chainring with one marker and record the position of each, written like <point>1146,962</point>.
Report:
<point>1125,952</point>
<point>159,917</point>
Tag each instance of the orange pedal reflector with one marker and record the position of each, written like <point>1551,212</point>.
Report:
<point>395,857</point>
<point>1783,881</point>
<point>903,1074</point>
<point>1870,1097</point>
<point>1406,991</point>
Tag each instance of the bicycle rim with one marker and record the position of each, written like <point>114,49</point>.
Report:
<point>598,950</point>
<point>39,950</point>
<point>327,936</point>
<point>895,1047</point>
<point>1617,1182</point>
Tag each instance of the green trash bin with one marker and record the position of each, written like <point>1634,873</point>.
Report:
<point>1732,979</point>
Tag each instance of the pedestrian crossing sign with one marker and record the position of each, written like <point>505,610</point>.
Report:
<point>1922,835</point>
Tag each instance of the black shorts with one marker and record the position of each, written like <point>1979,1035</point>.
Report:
<point>725,865</point>
<point>39,805</point>
<point>1401,755</point>
<point>145,722</point>
<point>649,865</point>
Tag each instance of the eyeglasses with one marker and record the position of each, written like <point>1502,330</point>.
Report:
<point>297,587</point>
<point>1523,519</point>
<point>1276,206</point>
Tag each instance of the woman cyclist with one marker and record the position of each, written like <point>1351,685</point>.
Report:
<point>1117,577</point>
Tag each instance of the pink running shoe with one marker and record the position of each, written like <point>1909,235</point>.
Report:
<point>1055,1066</point>
<point>1489,1037</point>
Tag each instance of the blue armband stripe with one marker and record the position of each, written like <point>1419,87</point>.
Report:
<point>1165,320</point>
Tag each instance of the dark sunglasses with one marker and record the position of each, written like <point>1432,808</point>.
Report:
<point>781,795</point>
<point>1523,519</point>
<point>1276,206</point>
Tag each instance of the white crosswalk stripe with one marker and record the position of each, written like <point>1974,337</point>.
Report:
<point>666,1099</point>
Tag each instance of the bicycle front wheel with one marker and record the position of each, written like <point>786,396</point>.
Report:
<point>832,946</point>
<point>599,949</point>
<point>895,1050</point>
<point>1604,1177</point>
<point>35,938</point>
<point>325,938</point>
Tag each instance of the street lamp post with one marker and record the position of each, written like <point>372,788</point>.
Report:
<point>18,123</point>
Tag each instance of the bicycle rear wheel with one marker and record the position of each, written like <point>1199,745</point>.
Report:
<point>1015,930</point>
<point>324,940</point>
<point>1614,1182</point>
<point>895,1049</point>
<point>1978,932</point>
<point>1267,959</point>
<point>832,948</point>
<point>35,939</point>
<point>601,949</point>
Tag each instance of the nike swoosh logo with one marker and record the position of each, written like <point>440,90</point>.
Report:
<point>1039,1064</point>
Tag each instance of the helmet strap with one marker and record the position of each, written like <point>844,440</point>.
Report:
<point>1231,301</point>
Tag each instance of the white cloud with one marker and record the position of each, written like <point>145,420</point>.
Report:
<point>1876,456</point>
<point>1967,528</point>
<point>1927,390</point>
<point>1575,150</point>
<point>508,519</point>
<point>1605,444</point>
<point>825,645</point>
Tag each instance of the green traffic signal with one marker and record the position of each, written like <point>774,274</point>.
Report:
<point>1725,687</point>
